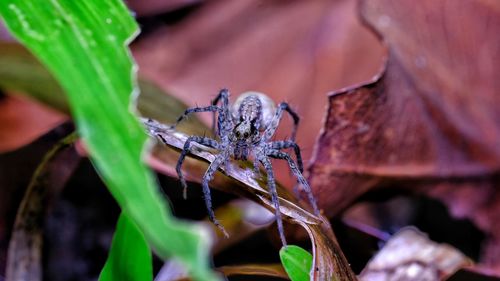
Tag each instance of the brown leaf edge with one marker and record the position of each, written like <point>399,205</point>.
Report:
<point>329,263</point>
<point>272,270</point>
<point>269,270</point>
<point>320,174</point>
<point>24,257</point>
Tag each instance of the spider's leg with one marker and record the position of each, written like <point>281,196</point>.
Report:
<point>274,195</point>
<point>293,167</point>
<point>295,118</point>
<point>256,168</point>
<point>209,174</point>
<point>291,144</point>
<point>201,140</point>
<point>224,96</point>
<point>271,129</point>
<point>211,108</point>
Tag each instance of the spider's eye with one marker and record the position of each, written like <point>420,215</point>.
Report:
<point>245,135</point>
<point>237,133</point>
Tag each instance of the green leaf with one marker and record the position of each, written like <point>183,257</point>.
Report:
<point>130,257</point>
<point>83,44</point>
<point>297,262</point>
<point>23,74</point>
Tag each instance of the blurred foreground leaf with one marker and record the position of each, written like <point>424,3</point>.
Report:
<point>21,72</point>
<point>83,43</point>
<point>297,262</point>
<point>24,258</point>
<point>129,257</point>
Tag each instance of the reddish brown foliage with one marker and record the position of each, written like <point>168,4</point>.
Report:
<point>23,120</point>
<point>430,121</point>
<point>291,50</point>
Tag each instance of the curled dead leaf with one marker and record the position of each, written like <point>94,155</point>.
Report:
<point>272,270</point>
<point>24,259</point>
<point>429,122</point>
<point>329,262</point>
<point>410,255</point>
<point>294,51</point>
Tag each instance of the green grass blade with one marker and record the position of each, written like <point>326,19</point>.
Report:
<point>130,257</point>
<point>83,43</point>
<point>21,73</point>
<point>297,262</point>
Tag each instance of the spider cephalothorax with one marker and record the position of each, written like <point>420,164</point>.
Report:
<point>248,118</point>
<point>245,130</point>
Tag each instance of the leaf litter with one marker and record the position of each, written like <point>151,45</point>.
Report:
<point>328,263</point>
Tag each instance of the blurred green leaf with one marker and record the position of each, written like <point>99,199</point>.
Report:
<point>297,262</point>
<point>21,72</point>
<point>154,103</point>
<point>129,258</point>
<point>83,43</point>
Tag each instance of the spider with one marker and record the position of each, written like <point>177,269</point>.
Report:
<point>245,130</point>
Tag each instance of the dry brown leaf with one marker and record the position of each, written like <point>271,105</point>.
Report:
<point>241,218</point>
<point>410,256</point>
<point>430,120</point>
<point>329,262</point>
<point>22,120</point>
<point>273,270</point>
<point>24,260</point>
<point>295,51</point>
<point>173,271</point>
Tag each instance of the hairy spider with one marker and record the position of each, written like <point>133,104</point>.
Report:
<point>244,130</point>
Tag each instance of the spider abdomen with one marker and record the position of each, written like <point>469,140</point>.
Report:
<point>254,106</point>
